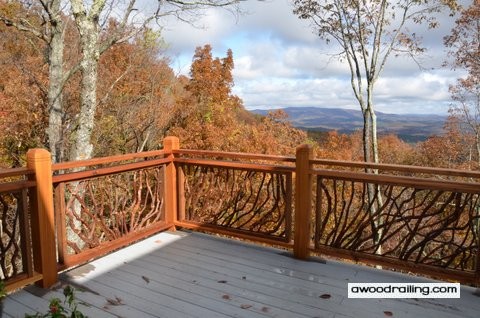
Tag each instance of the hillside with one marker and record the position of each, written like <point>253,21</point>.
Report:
<point>409,127</point>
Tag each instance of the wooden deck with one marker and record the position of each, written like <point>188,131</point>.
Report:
<point>180,274</point>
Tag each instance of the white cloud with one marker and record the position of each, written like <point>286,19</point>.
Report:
<point>426,86</point>
<point>265,93</point>
<point>183,36</point>
<point>280,62</point>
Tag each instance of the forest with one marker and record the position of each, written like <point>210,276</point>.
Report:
<point>139,99</point>
<point>88,80</point>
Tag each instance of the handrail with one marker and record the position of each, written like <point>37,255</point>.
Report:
<point>104,160</point>
<point>15,172</point>
<point>16,185</point>
<point>236,165</point>
<point>338,163</point>
<point>400,168</point>
<point>423,183</point>
<point>81,175</point>
<point>239,155</point>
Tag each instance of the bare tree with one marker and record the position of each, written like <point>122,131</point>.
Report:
<point>369,32</point>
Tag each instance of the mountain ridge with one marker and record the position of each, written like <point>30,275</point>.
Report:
<point>409,127</point>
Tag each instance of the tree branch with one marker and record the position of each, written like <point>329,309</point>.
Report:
<point>24,28</point>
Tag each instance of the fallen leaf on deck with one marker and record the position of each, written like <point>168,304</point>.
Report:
<point>116,302</point>
<point>145,278</point>
<point>325,296</point>
<point>226,297</point>
<point>388,313</point>
<point>265,309</point>
<point>245,306</point>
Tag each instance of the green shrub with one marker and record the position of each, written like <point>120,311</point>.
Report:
<point>3,290</point>
<point>59,309</point>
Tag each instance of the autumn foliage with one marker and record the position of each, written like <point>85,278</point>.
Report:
<point>22,92</point>
<point>141,100</point>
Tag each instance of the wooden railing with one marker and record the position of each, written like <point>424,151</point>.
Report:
<point>423,220</point>
<point>16,260</point>
<point>420,224</point>
<point>103,204</point>
<point>251,198</point>
<point>26,227</point>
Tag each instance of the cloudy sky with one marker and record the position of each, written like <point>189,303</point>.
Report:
<point>279,62</point>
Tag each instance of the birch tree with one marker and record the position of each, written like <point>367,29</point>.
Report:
<point>91,19</point>
<point>367,34</point>
<point>88,17</point>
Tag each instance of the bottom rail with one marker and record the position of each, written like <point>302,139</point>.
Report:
<point>464,277</point>
<point>99,251</point>
<point>235,233</point>
<point>23,280</point>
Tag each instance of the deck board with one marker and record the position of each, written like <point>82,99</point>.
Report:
<point>277,285</point>
<point>182,274</point>
<point>258,286</point>
<point>236,290</point>
<point>189,292</point>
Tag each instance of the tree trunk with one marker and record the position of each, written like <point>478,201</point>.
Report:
<point>367,150</point>
<point>373,118</point>
<point>374,191</point>
<point>55,100</point>
<point>477,144</point>
<point>82,147</point>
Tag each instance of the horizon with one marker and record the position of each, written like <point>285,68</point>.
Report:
<point>351,109</point>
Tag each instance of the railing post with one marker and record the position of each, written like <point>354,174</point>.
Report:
<point>42,216</point>
<point>170,144</point>
<point>303,202</point>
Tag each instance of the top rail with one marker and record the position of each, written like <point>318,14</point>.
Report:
<point>234,155</point>
<point>399,168</point>
<point>236,165</point>
<point>104,160</point>
<point>81,175</point>
<point>337,163</point>
<point>419,183</point>
<point>15,172</point>
<point>16,186</point>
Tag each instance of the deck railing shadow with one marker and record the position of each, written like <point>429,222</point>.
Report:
<point>417,219</point>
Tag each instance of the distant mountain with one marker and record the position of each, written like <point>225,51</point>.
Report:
<point>409,127</point>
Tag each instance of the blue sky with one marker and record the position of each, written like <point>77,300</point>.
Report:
<point>279,62</point>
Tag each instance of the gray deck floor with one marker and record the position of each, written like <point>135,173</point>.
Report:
<point>180,274</point>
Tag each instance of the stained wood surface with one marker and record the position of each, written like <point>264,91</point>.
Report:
<point>105,160</point>
<point>181,274</point>
<point>418,183</point>
<point>399,168</point>
<point>234,155</point>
